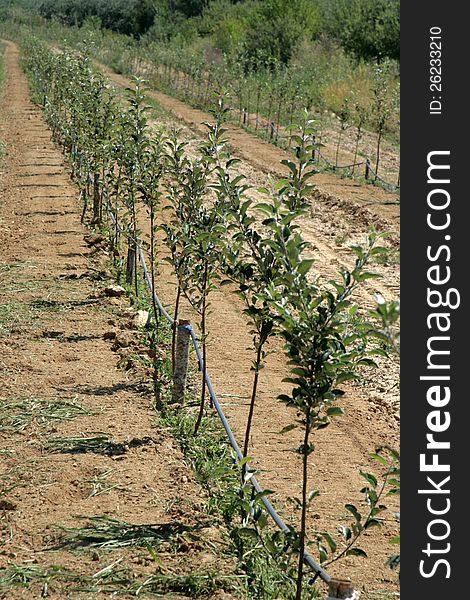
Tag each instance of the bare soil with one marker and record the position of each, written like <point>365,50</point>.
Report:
<point>41,235</point>
<point>341,212</point>
<point>53,318</point>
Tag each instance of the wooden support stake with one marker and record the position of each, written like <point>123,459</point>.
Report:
<point>181,362</point>
<point>367,173</point>
<point>342,588</point>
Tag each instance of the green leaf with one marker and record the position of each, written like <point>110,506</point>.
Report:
<point>372,523</point>
<point>265,208</point>
<point>288,428</point>
<point>335,411</point>
<point>329,540</point>
<point>367,275</point>
<point>358,250</point>
<point>369,478</point>
<point>379,458</point>
<point>322,552</point>
<point>366,362</point>
<point>292,166</point>
<point>305,265</point>
<point>346,376</point>
<point>394,561</point>
<point>353,510</point>
<point>313,494</point>
<point>232,162</point>
<point>356,552</point>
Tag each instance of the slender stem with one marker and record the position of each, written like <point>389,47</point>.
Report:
<point>204,352</point>
<point>252,403</point>
<point>291,118</point>
<point>337,146</point>
<point>248,108</point>
<point>298,595</point>
<point>279,109</point>
<point>134,235</point>
<point>85,204</point>
<point>268,120</point>
<point>116,232</point>
<point>356,150</point>
<point>156,312</point>
<point>175,321</point>
<point>379,139</point>
<point>96,200</point>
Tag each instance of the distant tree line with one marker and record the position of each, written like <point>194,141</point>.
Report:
<point>366,29</point>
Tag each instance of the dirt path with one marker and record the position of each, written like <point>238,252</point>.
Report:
<point>371,419</point>
<point>329,125</point>
<point>54,365</point>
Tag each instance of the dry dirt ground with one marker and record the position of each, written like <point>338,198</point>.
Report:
<point>341,213</point>
<point>41,217</point>
<point>53,358</point>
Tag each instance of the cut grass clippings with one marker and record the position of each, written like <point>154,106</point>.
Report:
<point>113,580</point>
<point>20,413</point>
<point>97,442</point>
<point>108,533</point>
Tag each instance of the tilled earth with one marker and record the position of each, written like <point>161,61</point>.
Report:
<point>56,365</point>
<point>341,213</point>
<point>53,347</point>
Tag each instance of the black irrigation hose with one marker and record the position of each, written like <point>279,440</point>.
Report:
<point>330,164</point>
<point>254,482</point>
<point>392,185</point>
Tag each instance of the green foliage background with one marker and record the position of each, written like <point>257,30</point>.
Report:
<point>366,29</point>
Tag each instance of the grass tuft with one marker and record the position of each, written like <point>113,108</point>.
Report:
<point>101,484</point>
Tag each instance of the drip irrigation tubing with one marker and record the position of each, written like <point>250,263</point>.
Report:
<point>330,164</point>
<point>319,571</point>
<point>392,185</point>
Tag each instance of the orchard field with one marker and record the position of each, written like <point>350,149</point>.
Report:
<point>135,221</point>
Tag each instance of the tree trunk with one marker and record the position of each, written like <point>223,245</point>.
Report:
<point>96,200</point>
<point>298,595</point>
<point>252,404</point>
